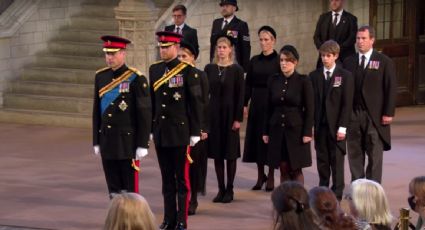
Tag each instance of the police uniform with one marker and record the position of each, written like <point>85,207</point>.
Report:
<point>177,106</point>
<point>121,119</point>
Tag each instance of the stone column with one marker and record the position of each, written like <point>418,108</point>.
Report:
<point>136,20</point>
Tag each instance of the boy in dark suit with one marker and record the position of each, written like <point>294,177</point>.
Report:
<point>373,107</point>
<point>190,35</point>
<point>338,25</point>
<point>230,25</point>
<point>333,93</point>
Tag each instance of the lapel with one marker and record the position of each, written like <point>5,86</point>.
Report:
<point>368,72</point>
<point>335,73</point>
<point>328,22</point>
<point>229,25</point>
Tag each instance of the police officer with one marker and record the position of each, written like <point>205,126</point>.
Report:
<point>121,117</point>
<point>177,107</point>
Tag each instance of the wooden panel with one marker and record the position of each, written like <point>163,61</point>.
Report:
<point>420,88</point>
<point>404,92</point>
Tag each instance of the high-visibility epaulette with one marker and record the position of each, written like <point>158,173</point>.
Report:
<point>102,69</point>
<point>189,63</point>
<point>157,62</point>
<point>136,71</point>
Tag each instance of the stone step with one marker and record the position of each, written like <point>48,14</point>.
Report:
<point>83,35</point>
<point>61,75</point>
<point>83,106</point>
<point>38,117</point>
<point>75,48</point>
<point>73,62</point>
<point>51,89</point>
<point>93,23</point>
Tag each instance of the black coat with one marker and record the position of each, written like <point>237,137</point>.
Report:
<point>378,91</point>
<point>177,110</point>
<point>226,106</point>
<point>338,101</point>
<point>344,34</point>
<point>126,122</point>
<point>237,29</point>
<point>289,116</point>
<point>260,69</point>
<point>205,100</point>
<point>190,34</point>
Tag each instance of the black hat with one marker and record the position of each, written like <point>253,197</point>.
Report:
<point>114,43</point>
<point>190,47</point>
<point>167,38</point>
<point>230,2</point>
<point>292,50</point>
<point>229,35</point>
<point>269,29</point>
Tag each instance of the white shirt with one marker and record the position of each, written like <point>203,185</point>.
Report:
<point>340,129</point>
<point>180,28</point>
<point>367,55</point>
<point>339,16</point>
<point>228,21</point>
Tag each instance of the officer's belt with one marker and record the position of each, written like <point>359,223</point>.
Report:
<point>115,82</point>
<point>169,75</point>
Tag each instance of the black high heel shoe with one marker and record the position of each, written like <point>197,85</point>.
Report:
<point>258,187</point>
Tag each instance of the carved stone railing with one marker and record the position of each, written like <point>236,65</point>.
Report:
<point>15,15</point>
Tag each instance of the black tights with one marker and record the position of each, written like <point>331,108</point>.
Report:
<point>286,173</point>
<point>231,173</point>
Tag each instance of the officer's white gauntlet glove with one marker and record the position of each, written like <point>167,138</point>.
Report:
<point>194,140</point>
<point>96,150</point>
<point>141,152</point>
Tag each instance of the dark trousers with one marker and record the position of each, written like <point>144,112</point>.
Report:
<point>119,175</point>
<point>175,182</point>
<point>364,140</point>
<point>198,171</point>
<point>330,160</point>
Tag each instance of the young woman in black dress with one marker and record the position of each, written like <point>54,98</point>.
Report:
<point>226,81</point>
<point>289,118</point>
<point>260,68</point>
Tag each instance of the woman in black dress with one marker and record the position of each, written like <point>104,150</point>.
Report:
<point>289,118</point>
<point>226,81</point>
<point>260,68</point>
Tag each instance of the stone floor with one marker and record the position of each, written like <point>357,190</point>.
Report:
<point>51,180</point>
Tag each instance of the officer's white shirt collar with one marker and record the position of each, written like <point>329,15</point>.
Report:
<point>339,15</point>
<point>368,54</point>
<point>330,70</point>
<point>228,19</point>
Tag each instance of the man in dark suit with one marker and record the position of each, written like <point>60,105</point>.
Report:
<point>338,25</point>
<point>121,117</point>
<point>232,26</point>
<point>190,34</point>
<point>177,110</point>
<point>373,106</point>
<point>333,94</point>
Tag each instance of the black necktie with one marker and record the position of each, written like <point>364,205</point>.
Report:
<point>335,19</point>
<point>362,63</point>
<point>225,23</point>
<point>328,76</point>
<point>178,30</point>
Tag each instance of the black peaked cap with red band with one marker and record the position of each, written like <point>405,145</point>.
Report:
<point>167,38</point>
<point>114,43</point>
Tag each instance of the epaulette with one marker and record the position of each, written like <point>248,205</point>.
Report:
<point>136,71</point>
<point>188,63</point>
<point>102,69</point>
<point>157,62</point>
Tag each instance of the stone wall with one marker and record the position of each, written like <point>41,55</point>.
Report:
<point>293,20</point>
<point>18,49</point>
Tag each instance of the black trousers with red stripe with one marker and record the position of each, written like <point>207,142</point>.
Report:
<point>175,182</point>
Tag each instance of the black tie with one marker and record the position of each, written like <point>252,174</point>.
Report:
<point>328,76</point>
<point>178,30</point>
<point>362,63</point>
<point>225,23</point>
<point>335,19</point>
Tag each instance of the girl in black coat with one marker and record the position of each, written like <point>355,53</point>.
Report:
<point>289,118</point>
<point>226,83</point>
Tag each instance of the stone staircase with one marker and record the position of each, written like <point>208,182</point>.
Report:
<point>57,89</point>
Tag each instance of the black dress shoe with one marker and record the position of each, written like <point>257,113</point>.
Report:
<point>259,186</point>
<point>180,226</point>
<point>269,189</point>
<point>228,196</point>
<point>167,226</point>
<point>219,197</point>
<point>192,208</point>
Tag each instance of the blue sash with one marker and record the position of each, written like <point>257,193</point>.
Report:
<point>113,94</point>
